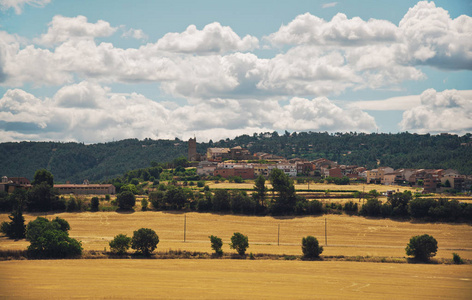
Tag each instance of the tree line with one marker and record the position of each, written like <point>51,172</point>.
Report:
<point>75,162</point>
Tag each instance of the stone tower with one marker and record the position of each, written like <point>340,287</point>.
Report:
<point>192,149</point>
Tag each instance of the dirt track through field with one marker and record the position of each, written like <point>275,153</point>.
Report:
<point>345,235</point>
<point>231,279</point>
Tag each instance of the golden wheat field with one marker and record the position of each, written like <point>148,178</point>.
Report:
<point>345,235</point>
<point>231,279</point>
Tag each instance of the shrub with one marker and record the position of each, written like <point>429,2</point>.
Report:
<point>144,241</point>
<point>311,248</point>
<point>120,244</point>
<point>216,244</point>
<point>350,207</point>
<point>457,259</point>
<point>144,204</point>
<point>126,200</point>
<point>51,239</point>
<point>371,208</point>
<point>200,183</point>
<point>239,242</point>
<point>107,197</point>
<point>72,204</point>
<point>422,247</point>
<point>94,204</point>
<point>16,228</point>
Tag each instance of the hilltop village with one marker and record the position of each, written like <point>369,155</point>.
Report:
<point>238,161</point>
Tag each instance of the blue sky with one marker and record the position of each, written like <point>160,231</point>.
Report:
<point>96,71</point>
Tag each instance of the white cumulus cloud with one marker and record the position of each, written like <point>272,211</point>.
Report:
<point>446,111</point>
<point>62,29</point>
<point>91,113</point>
<point>18,5</point>
<point>213,38</point>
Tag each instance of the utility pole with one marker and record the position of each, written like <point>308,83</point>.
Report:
<point>326,234</point>
<point>278,235</point>
<point>185,227</point>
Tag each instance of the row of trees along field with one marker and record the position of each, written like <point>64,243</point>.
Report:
<point>282,199</point>
<point>97,162</point>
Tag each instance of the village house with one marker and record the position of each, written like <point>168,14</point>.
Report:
<point>226,170</point>
<point>206,168</point>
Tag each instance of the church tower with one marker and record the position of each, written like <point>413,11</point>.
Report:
<point>192,149</point>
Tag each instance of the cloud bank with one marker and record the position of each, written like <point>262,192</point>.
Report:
<point>228,89</point>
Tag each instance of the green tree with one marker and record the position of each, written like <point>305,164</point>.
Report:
<point>16,228</point>
<point>282,184</point>
<point>216,244</point>
<point>42,197</point>
<point>120,244</point>
<point>239,242</point>
<point>260,190</point>
<point>51,239</point>
<point>94,204</point>
<point>422,247</point>
<point>221,201</point>
<point>175,197</point>
<point>311,247</point>
<point>43,175</point>
<point>126,200</point>
<point>144,241</point>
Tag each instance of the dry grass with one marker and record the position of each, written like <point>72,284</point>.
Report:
<point>231,279</point>
<point>349,236</point>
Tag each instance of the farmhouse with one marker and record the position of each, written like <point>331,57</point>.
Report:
<point>85,189</point>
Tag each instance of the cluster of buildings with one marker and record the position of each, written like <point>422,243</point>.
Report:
<point>231,162</point>
<point>9,184</point>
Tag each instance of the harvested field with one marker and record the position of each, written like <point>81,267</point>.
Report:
<point>231,279</point>
<point>249,184</point>
<point>349,236</point>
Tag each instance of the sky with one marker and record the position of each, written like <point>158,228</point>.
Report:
<point>97,71</point>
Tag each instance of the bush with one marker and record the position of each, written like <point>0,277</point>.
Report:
<point>120,244</point>
<point>144,241</point>
<point>16,228</point>
<point>144,204</point>
<point>422,247</point>
<point>216,244</point>
<point>457,259</point>
<point>126,200</point>
<point>107,197</point>
<point>239,242</point>
<point>310,247</point>
<point>94,204</point>
<point>350,207</point>
<point>371,208</point>
<point>51,239</point>
<point>72,204</point>
<point>200,183</point>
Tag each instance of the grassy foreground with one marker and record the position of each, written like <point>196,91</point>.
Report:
<point>230,279</point>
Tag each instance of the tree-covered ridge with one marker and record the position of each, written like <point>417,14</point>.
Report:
<point>75,162</point>
<point>402,150</point>
<point>97,162</point>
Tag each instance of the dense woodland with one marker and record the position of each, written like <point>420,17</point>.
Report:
<point>98,162</point>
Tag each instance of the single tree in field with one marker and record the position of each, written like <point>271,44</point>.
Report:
<point>239,242</point>
<point>216,244</point>
<point>311,247</point>
<point>145,241</point>
<point>120,244</point>
<point>422,247</point>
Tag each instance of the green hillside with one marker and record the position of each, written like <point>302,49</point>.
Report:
<point>97,162</point>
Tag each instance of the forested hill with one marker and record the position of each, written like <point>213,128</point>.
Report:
<point>76,161</point>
